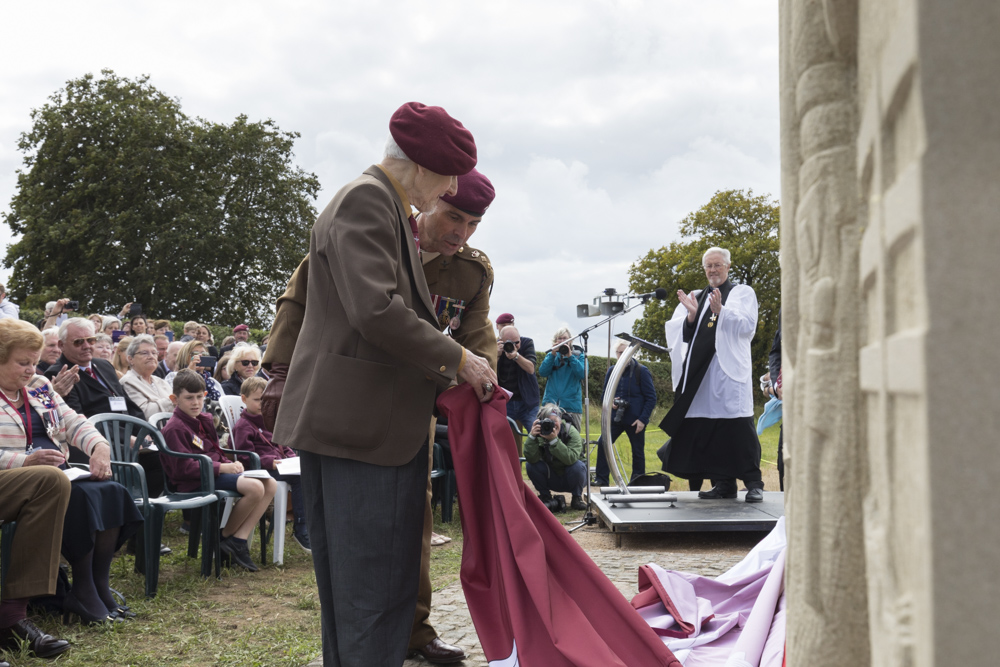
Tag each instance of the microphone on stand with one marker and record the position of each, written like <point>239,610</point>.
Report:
<point>659,293</point>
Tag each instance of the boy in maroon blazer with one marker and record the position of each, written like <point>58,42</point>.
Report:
<point>192,431</point>
<point>249,434</point>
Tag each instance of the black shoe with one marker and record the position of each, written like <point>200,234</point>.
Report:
<point>39,643</point>
<point>754,496</point>
<point>600,482</point>
<point>239,553</point>
<point>73,607</point>
<point>123,612</point>
<point>578,503</point>
<point>440,653</point>
<point>301,536</point>
<point>715,494</point>
<point>165,550</point>
<point>185,528</point>
<point>556,504</point>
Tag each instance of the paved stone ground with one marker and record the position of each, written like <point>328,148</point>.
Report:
<point>689,553</point>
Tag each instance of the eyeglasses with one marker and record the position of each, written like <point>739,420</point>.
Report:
<point>145,353</point>
<point>714,266</point>
<point>78,342</point>
<point>249,362</point>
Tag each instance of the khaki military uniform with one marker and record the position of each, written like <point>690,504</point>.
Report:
<point>460,288</point>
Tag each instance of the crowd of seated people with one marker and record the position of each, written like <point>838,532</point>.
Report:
<point>51,381</point>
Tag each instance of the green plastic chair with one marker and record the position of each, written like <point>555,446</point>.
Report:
<point>119,430</point>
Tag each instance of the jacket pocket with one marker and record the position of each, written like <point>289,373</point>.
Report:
<point>349,402</point>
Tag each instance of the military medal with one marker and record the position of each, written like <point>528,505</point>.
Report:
<point>196,441</point>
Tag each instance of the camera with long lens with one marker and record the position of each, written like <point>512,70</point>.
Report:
<point>620,405</point>
<point>508,347</point>
<point>556,504</point>
<point>547,426</point>
<point>563,350</point>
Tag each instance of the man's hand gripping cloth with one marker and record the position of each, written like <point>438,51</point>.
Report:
<point>737,620</point>
<point>535,596</point>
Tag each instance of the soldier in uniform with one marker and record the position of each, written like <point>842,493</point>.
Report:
<point>459,279</point>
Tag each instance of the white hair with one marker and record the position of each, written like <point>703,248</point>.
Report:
<point>242,351</point>
<point>108,320</point>
<point>51,331</point>
<point>392,150</point>
<point>49,306</point>
<point>81,322</point>
<point>717,251</point>
<point>141,339</point>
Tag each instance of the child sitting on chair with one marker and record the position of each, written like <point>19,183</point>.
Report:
<point>192,431</point>
<point>249,434</point>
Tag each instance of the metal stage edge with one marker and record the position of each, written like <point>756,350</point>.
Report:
<point>691,514</point>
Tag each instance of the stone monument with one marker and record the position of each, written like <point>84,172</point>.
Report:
<point>890,131</point>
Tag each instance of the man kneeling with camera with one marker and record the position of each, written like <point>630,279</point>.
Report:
<point>552,451</point>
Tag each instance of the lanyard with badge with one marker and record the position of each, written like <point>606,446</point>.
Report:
<point>117,403</point>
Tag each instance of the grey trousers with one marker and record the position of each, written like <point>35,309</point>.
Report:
<point>365,525</point>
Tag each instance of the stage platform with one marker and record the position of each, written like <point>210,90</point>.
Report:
<point>690,514</point>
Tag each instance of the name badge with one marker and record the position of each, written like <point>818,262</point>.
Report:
<point>118,404</point>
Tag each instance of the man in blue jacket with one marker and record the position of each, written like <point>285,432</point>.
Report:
<point>636,398</point>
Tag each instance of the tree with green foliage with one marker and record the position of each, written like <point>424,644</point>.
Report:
<point>738,221</point>
<point>124,198</point>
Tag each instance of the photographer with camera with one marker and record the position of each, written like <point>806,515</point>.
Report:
<point>516,374</point>
<point>565,369</point>
<point>552,451</point>
<point>635,399</point>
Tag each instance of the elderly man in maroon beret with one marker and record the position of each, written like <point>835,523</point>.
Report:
<point>366,368</point>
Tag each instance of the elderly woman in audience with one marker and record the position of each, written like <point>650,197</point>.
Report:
<point>38,428</point>
<point>204,335</point>
<point>50,351</point>
<point>244,361</point>
<point>110,324</point>
<point>138,325</point>
<point>149,392</point>
<point>104,348</point>
<point>119,360</point>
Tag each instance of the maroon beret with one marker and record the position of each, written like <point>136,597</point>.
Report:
<point>433,139</point>
<point>475,194</point>
<point>504,318</point>
<point>241,327</point>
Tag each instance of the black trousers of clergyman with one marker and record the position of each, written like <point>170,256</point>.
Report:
<point>365,523</point>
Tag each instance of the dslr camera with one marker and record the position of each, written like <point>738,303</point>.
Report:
<point>556,504</point>
<point>547,426</point>
<point>509,348</point>
<point>563,350</point>
<point>620,405</point>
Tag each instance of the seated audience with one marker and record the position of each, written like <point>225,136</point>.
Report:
<point>228,342</point>
<point>50,353</point>
<point>241,334</point>
<point>111,324</point>
<point>190,332</point>
<point>161,327</point>
<point>38,429</point>
<point>249,434</point>
<point>243,363</point>
<point>204,335</point>
<point>149,392</point>
<point>138,325</point>
<point>98,320</point>
<point>104,348</point>
<point>190,430</point>
<point>162,343</point>
<point>553,460</point>
<point>127,328</point>
<point>36,498</point>
<point>119,360</point>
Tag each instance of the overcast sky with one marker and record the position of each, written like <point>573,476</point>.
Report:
<point>601,123</point>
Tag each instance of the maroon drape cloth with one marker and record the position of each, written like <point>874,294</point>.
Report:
<point>535,596</point>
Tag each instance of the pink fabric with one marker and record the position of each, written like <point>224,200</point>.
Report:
<point>534,595</point>
<point>737,619</point>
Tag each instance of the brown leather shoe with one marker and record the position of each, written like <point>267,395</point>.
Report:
<point>39,643</point>
<point>440,653</point>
